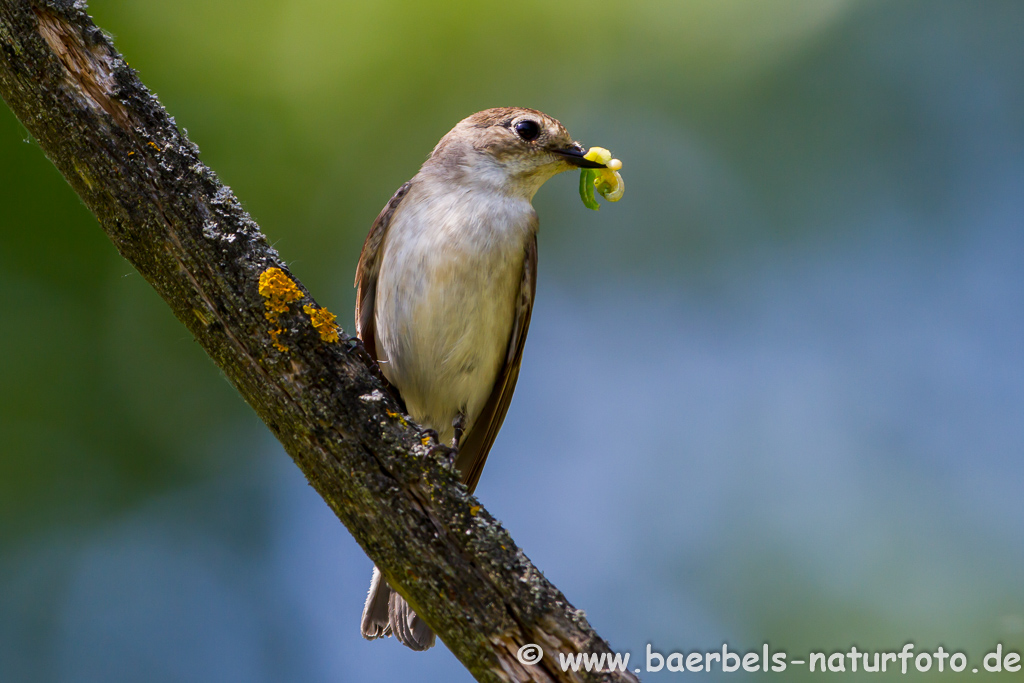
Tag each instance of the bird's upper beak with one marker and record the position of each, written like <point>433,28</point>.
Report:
<point>574,155</point>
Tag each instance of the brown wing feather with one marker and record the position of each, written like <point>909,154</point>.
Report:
<point>368,270</point>
<point>476,443</point>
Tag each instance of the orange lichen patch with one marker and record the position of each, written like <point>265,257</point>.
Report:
<point>475,510</point>
<point>425,440</point>
<point>153,145</point>
<point>279,291</point>
<point>274,337</point>
<point>392,414</point>
<point>323,322</point>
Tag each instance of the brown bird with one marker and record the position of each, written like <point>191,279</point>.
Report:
<point>445,286</point>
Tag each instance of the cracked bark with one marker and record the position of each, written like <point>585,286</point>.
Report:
<point>325,401</point>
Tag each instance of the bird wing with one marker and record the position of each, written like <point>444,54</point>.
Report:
<point>368,270</point>
<point>476,443</point>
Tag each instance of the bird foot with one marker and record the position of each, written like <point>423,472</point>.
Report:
<point>438,448</point>
<point>447,451</point>
<point>429,435</point>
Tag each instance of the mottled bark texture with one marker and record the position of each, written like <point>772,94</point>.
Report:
<point>324,400</point>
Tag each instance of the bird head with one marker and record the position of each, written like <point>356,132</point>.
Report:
<point>513,150</point>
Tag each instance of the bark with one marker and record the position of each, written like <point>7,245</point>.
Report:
<point>322,397</point>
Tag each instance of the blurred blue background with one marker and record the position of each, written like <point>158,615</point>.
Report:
<point>774,395</point>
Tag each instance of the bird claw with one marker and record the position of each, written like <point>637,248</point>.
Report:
<point>447,452</point>
<point>437,448</point>
<point>427,435</point>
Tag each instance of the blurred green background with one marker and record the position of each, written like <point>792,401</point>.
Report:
<point>774,395</point>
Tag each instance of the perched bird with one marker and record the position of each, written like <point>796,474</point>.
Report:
<point>444,289</point>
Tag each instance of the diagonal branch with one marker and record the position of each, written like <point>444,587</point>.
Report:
<point>320,394</point>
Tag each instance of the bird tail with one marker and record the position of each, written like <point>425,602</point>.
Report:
<point>387,613</point>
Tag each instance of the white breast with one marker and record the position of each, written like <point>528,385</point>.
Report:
<point>450,276</point>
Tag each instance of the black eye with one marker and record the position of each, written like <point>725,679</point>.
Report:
<point>527,130</point>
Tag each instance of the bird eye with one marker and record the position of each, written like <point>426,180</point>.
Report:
<point>527,130</point>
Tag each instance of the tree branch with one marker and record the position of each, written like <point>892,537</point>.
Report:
<point>322,396</point>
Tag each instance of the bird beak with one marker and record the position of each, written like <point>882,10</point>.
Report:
<point>574,155</point>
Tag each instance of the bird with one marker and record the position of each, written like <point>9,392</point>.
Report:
<point>445,286</point>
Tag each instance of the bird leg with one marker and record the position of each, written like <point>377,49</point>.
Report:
<point>459,425</point>
<point>450,452</point>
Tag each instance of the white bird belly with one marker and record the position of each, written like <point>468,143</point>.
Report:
<point>446,302</point>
